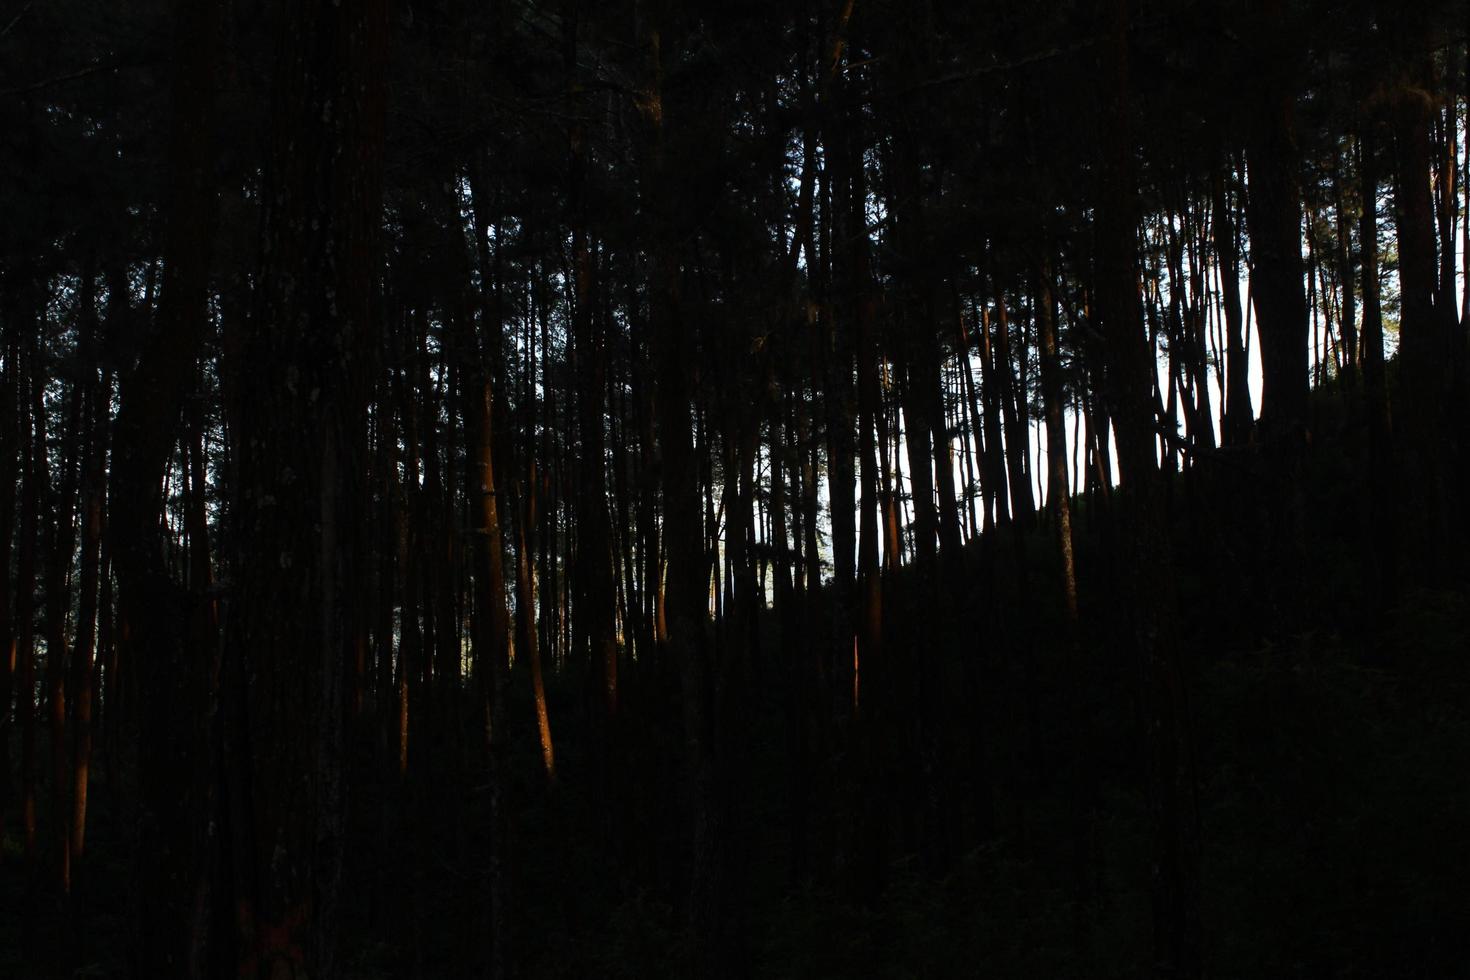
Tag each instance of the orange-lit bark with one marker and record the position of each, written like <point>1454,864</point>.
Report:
<point>84,660</point>
<point>526,639</point>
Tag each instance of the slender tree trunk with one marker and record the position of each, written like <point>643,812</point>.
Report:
<point>1274,213</point>
<point>14,459</point>
<point>33,461</point>
<point>1013,411</point>
<point>84,673</point>
<point>1058,497</point>
<point>491,632</point>
<point>1428,426</point>
<point>60,539</point>
<point>1349,316</point>
<point>996,479</point>
<point>1382,508</point>
<point>596,601</point>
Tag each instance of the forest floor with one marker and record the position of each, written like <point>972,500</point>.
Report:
<point>1333,799</point>
<point>1333,793</point>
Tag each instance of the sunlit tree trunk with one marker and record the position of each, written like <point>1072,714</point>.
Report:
<point>84,649</point>
<point>491,632</point>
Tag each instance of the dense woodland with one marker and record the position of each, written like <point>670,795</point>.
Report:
<point>829,488</point>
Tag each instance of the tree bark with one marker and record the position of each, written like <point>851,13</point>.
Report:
<point>302,360</point>
<point>1147,574</point>
<point>1058,489</point>
<point>1274,214</point>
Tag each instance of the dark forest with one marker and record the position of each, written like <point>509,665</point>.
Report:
<point>809,489</point>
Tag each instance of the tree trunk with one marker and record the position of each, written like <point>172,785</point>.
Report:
<point>1058,493</point>
<point>1382,508</point>
<point>1274,213</point>
<point>1428,424</point>
<point>172,681</point>
<point>1146,576</point>
<point>14,459</point>
<point>303,360</point>
<point>1013,406</point>
<point>60,538</point>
